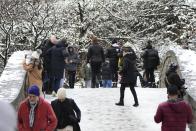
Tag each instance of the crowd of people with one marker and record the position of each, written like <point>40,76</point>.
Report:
<point>57,60</point>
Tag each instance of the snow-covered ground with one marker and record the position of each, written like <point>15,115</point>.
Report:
<point>99,112</point>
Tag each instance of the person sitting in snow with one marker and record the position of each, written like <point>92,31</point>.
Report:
<point>67,112</point>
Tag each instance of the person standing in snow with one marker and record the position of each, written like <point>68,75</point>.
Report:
<point>151,61</point>
<point>172,78</point>
<point>113,54</point>
<point>128,74</point>
<point>46,57</point>
<point>174,113</point>
<point>58,55</point>
<point>35,114</point>
<point>95,57</point>
<point>86,73</point>
<point>33,66</point>
<point>71,63</point>
<point>67,112</point>
<point>106,75</point>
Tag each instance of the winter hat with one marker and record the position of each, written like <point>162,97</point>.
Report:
<point>173,66</point>
<point>172,90</point>
<point>8,118</point>
<point>61,93</point>
<point>149,44</point>
<point>34,89</point>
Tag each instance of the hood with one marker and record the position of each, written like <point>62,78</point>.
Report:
<point>61,43</point>
<point>176,105</point>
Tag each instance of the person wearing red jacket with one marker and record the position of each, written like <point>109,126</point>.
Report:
<point>35,114</point>
<point>175,113</point>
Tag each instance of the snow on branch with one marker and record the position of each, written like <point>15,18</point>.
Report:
<point>112,13</point>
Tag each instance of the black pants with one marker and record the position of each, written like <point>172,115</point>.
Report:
<point>95,69</point>
<point>122,92</point>
<point>150,75</point>
<point>71,78</point>
<point>114,70</point>
<point>47,82</point>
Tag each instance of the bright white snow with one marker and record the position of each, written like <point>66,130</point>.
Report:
<point>11,79</point>
<point>99,112</point>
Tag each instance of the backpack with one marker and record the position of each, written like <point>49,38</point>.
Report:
<point>153,58</point>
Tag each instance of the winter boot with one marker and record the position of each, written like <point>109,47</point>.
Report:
<point>136,105</point>
<point>120,103</point>
<point>114,85</point>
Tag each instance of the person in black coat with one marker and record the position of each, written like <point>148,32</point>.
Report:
<point>46,57</point>
<point>151,61</point>
<point>128,75</point>
<point>58,54</point>
<point>95,57</point>
<point>113,53</point>
<point>67,112</point>
<point>106,74</point>
<point>172,78</point>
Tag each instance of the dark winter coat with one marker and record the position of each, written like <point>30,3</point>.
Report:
<point>95,54</point>
<point>172,78</point>
<point>72,56</point>
<point>58,56</point>
<point>150,59</point>
<point>106,72</point>
<point>129,70</point>
<point>65,113</point>
<point>45,119</point>
<point>113,55</point>
<point>46,56</point>
<point>174,115</point>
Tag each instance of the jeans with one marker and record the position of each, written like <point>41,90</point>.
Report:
<point>107,83</point>
<point>56,83</point>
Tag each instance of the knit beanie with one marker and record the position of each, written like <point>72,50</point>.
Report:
<point>61,93</point>
<point>34,90</point>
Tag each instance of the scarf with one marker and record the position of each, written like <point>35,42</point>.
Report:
<point>32,114</point>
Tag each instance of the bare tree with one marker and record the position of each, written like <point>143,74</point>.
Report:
<point>8,19</point>
<point>39,19</point>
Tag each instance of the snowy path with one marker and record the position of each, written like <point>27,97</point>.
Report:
<point>99,112</point>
